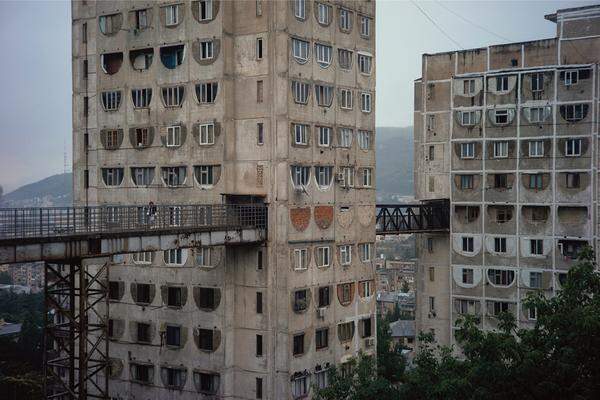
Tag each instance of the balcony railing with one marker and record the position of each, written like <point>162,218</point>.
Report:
<point>25,223</point>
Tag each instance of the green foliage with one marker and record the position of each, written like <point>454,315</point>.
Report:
<point>558,359</point>
<point>390,361</point>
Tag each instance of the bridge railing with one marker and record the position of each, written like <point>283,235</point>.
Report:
<point>18,223</point>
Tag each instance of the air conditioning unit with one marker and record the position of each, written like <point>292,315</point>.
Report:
<point>321,312</point>
<point>369,342</point>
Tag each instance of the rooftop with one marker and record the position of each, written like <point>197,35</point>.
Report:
<point>403,328</point>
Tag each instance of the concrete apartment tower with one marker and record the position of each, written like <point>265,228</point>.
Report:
<point>508,133</point>
<point>210,102</point>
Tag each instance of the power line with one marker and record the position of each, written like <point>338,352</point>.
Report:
<point>436,25</point>
<point>474,23</point>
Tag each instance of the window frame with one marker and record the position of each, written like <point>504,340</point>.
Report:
<point>501,149</point>
<point>573,147</point>
<point>467,151</point>
<point>536,148</point>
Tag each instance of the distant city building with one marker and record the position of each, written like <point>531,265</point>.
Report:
<point>9,330</point>
<point>403,332</point>
<point>508,134</point>
<point>388,301</point>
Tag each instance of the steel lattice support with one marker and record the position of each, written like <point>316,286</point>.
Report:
<point>75,332</point>
<point>432,216</point>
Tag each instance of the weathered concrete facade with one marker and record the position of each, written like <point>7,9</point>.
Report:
<point>218,101</point>
<point>508,134</point>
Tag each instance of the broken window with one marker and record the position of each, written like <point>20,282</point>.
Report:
<point>174,136</point>
<point>205,175</point>
<point>206,93</point>
<point>111,62</point>
<point>364,63</point>
<point>345,58</point>
<point>300,91</point>
<point>172,56</point>
<point>174,176</point>
<point>300,176</point>
<point>112,176</point>
<point>205,10</point>
<point>365,102</point>
<point>573,147</point>
<point>141,97</point>
<point>323,176</point>
<point>111,101</point>
<point>300,50</point>
<point>142,176</point>
<point>206,134</point>
<point>173,96</point>
<point>141,59</point>
<point>172,15</point>
<point>205,339</point>
<point>323,54</point>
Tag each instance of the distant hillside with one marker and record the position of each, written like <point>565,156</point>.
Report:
<point>394,152</point>
<point>54,191</point>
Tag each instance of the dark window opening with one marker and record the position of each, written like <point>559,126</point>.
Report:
<point>207,298</point>
<point>367,329</point>
<point>259,390</point>
<point>324,298</point>
<point>298,344</point>
<point>141,59</point>
<point>174,296</point>
<point>208,383</point>
<point>173,335</point>
<point>113,290</point>
<point>259,302</point>
<point>259,345</point>
<point>321,338</point>
<point>572,180</point>
<point>143,293</point>
<point>111,62</point>
<point>205,339</point>
<point>500,181</point>
<point>300,300</point>
<point>143,332</point>
<point>172,56</point>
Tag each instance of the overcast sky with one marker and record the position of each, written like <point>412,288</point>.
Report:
<point>35,73</point>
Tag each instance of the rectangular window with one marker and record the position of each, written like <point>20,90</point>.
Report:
<point>207,298</point>
<point>143,332</point>
<point>260,135</point>
<point>205,175</point>
<point>536,148</point>
<point>346,331</point>
<point>347,177</point>
<point>467,276</point>
<point>346,99</point>
<point>537,82</point>
<point>298,344</point>
<point>259,91</point>
<point>323,256</point>
<point>468,118</point>
<point>323,54</point>
<point>207,92</point>
<point>206,134</point>
<point>536,115</point>
<point>365,252</point>
<point>203,256</point>
<point>173,136</point>
<point>174,216</point>
<point>468,244</point>
<point>174,257</point>
<point>430,122</point>
<point>111,100</point>
<point>430,245</point>
<point>364,140</point>
<point>345,137</point>
<point>345,58</point>
<point>321,338</point>
<point>536,181</point>
<point>573,112</point>
<point>573,148</point>
<point>501,149</point>
<point>324,95</point>
<point>206,50</point>
<point>500,181</point>
<point>367,288</point>
<point>112,176</point>
<point>259,260</point>
<point>500,245</point>
<point>300,9</point>
<point>324,136</point>
<point>502,83</point>
<point>323,13</point>
<point>259,48</point>
<point>300,176</point>
<point>173,335</point>
<point>259,388</point>
<point>536,247</point>
<point>469,86</point>
<point>467,150</point>
<point>324,299</point>
<point>259,302</point>
<point>532,313</point>
<point>571,77</point>
<point>205,12</point>
<point>323,176</point>
<point>431,304</point>
<point>364,64</point>
<point>572,180</point>
<point>259,345</point>
<point>431,153</point>
<point>300,50</point>
<point>141,97</point>
<point>345,255</point>
<point>345,19</point>
<point>300,91</point>
<point>466,182</point>
<point>431,274</point>
<point>172,15</point>
<point>258,8</point>
<point>365,102</point>
<point>84,32</point>
<point>112,139</point>
<point>301,134</point>
<point>173,96</point>
<point>141,19</point>
<point>367,175</point>
<point>300,387</point>
<point>205,339</point>
<point>501,117</point>
<point>535,280</point>
<point>142,373</point>
<point>365,26</point>
<point>300,259</point>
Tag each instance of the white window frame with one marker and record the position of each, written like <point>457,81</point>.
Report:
<point>538,79</point>
<point>537,274</point>
<point>468,244</point>
<point>300,92</point>
<point>532,313</point>
<point>536,148</point>
<point>113,100</point>
<point>323,54</point>
<point>347,177</point>
<point>467,150</point>
<point>324,95</point>
<point>206,134</point>
<point>573,147</point>
<point>367,177</point>
<point>323,256</point>
<point>172,15</point>
<point>502,81</point>
<point>300,259</point>
<point>207,49</point>
<point>571,77</point>
<point>142,176</point>
<point>501,149</point>
<point>345,137</point>
<point>344,19</point>
<point>204,98</point>
<point>367,288</point>
<point>469,86</point>
<point>300,49</point>
<point>174,257</point>
<point>325,134</point>
<point>300,386</point>
<point>470,120</point>
<point>174,96</point>
<point>204,256</point>
<point>501,113</point>
<point>206,175</point>
<point>365,64</point>
<point>208,7</point>
<point>323,13</point>
<point>301,134</point>
<point>142,258</point>
<point>300,9</point>
<point>576,110</point>
<point>365,26</point>
<point>300,176</point>
<point>365,102</point>
<point>538,246</point>
<point>538,112</point>
<point>174,136</point>
<point>141,97</point>
<point>364,139</point>
<point>500,245</point>
<point>174,216</point>
<point>346,99</point>
<point>365,252</point>
<point>114,176</point>
<point>345,254</point>
<point>172,175</point>
<point>323,176</point>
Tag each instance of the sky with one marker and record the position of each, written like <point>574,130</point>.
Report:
<point>35,73</point>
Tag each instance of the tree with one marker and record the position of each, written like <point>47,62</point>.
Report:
<point>390,361</point>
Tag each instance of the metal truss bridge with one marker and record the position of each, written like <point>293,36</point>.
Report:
<point>76,356</point>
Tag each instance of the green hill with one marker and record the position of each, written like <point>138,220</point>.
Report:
<point>54,191</point>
